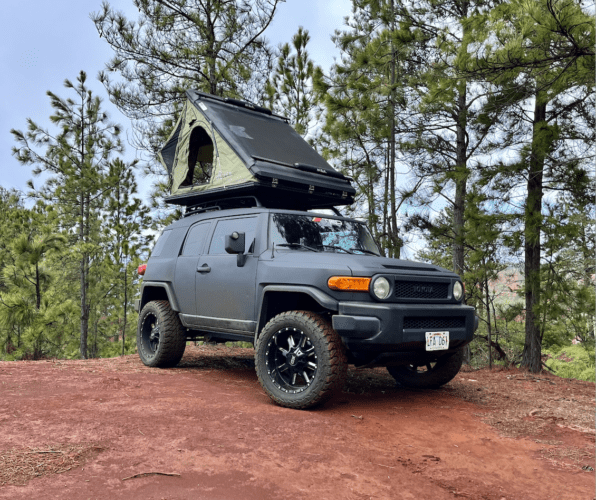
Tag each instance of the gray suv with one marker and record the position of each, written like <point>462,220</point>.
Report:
<point>310,291</point>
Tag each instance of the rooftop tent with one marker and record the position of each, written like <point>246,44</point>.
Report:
<point>224,148</point>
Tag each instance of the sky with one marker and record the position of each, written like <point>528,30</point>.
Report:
<point>43,43</point>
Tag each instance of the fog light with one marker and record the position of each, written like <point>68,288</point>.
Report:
<point>381,288</point>
<point>458,291</point>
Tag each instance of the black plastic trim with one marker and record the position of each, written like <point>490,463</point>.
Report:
<point>160,284</point>
<point>317,295</point>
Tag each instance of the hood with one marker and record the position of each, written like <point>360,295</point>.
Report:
<point>370,264</point>
<point>308,259</point>
<point>359,265</point>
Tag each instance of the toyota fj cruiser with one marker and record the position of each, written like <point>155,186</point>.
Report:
<point>310,290</point>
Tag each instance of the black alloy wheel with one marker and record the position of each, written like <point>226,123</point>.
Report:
<point>300,359</point>
<point>150,334</point>
<point>430,374</point>
<point>160,336</point>
<point>291,360</point>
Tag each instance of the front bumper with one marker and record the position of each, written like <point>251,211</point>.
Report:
<point>385,328</point>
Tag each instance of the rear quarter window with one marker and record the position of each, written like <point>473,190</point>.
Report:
<point>161,243</point>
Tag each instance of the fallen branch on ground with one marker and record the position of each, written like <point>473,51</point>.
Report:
<point>143,474</point>
<point>388,466</point>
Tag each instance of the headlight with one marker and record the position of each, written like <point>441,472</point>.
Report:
<point>458,291</point>
<point>381,288</point>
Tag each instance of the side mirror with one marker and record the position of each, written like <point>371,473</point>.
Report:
<point>235,243</point>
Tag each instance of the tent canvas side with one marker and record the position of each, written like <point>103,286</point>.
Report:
<point>202,160</point>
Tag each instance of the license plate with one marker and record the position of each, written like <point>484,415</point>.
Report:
<point>437,341</point>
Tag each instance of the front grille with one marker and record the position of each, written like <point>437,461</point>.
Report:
<point>434,323</point>
<point>421,290</point>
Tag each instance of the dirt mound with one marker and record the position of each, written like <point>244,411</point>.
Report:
<point>114,428</point>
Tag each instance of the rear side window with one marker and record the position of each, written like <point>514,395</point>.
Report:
<point>247,225</point>
<point>196,239</point>
<point>161,243</point>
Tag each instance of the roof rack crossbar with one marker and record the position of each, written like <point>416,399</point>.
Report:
<point>235,202</point>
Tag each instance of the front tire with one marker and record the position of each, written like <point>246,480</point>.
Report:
<point>300,360</point>
<point>429,375</point>
<point>160,336</point>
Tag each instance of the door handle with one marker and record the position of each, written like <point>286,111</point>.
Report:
<point>204,269</point>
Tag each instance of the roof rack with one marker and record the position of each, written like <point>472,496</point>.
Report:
<point>225,204</point>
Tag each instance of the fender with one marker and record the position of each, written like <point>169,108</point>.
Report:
<point>167,286</point>
<point>317,295</point>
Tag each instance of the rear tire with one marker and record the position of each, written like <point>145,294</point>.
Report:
<point>300,360</point>
<point>160,336</point>
<point>430,375</point>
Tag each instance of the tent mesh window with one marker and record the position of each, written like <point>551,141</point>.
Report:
<point>200,158</point>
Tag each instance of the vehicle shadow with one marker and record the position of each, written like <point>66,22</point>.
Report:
<point>362,386</point>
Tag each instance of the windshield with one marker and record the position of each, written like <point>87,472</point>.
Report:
<point>320,234</point>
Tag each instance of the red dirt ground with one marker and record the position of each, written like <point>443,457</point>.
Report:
<point>97,429</point>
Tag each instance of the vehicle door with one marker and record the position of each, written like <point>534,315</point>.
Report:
<point>186,267</point>
<point>225,291</point>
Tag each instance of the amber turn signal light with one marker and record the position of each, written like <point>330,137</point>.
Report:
<point>141,269</point>
<point>348,284</point>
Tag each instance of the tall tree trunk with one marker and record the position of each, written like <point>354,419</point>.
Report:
<point>461,180</point>
<point>386,224</point>
<point>211,58</point>
<point>83,284</point>
<point>531,357</point>
<point>37,287</point>
<point>372,213</point>
<point>394,236</point>
<point>125,305</point>
<point>82,239</point>
<point>489,332</point>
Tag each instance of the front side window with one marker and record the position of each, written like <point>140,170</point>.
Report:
<point>247,225</point>
<point>320,234</point>
<point>195,239</point>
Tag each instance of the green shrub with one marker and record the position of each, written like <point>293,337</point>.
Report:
<point>573,361</point>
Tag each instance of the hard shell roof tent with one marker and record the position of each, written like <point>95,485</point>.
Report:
<point>224,148</point>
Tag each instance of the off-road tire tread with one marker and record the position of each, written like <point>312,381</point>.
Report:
<point>172,342</point>
<point>337,360</point>
<point>447,369</point>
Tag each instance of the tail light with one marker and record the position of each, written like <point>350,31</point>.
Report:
<point>141,269</point>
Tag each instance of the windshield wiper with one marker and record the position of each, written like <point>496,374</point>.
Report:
<point>337,248</point>
<point>296,245</point>
<point>364,250</point>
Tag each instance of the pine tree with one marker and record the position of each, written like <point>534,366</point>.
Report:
<point>538,55</point>
<point>126,223</point>
<point>215,46</point>
<point>76,157</point>
<point>32,304</point>
<point>290,89</point>
<point>444,139</point>
<point>362,96</point>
